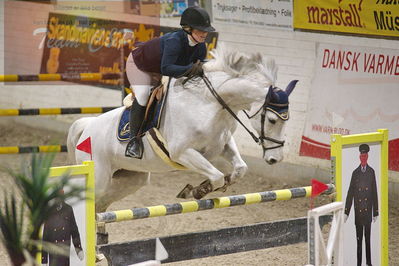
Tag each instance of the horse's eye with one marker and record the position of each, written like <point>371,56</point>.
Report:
<point>272,121</point>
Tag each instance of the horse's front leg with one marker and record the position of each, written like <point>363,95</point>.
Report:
<point>194,160</point>
<point>232,155</point>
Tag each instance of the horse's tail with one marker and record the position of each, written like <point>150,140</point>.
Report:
<point>74,133</point>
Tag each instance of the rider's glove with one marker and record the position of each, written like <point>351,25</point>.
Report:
<point>195,70</point>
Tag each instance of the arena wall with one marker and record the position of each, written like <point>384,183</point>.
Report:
<point>294,52</point>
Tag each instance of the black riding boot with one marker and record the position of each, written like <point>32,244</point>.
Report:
<point>135,146</point>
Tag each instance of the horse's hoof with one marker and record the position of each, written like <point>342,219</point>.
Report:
<point>227,182</point>
<point>99,257</point>
<point>186,192</point>
<point>204,188</point>
<point>222,189</point>
<point>102,238</point>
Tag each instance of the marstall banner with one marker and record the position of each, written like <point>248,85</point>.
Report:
<point>378,17</point>
<point>354,90</point>
<point>260,13</point>
<point>81,44</point>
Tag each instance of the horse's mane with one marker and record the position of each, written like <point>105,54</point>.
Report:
<point>236,63</point>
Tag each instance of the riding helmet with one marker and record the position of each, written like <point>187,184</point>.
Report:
<point>196,18</point>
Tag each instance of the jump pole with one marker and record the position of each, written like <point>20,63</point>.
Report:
<point>31,149</point>
<point>55,111</point>
<point>207,204</point>
<point>60,77</point>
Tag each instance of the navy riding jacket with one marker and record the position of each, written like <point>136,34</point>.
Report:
<point>169,55</point>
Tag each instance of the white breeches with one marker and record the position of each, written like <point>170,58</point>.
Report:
<point>141,82</point>
<point>142,93</point>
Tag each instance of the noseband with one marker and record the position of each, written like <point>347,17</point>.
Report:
<point>267,106</point>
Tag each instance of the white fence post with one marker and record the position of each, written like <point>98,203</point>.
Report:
<point>318,251</point>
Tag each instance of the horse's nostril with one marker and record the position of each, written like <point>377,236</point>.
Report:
<point>272,161</point>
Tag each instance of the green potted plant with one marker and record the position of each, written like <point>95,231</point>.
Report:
<point>23,213</point>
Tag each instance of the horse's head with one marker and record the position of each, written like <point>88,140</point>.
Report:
<point>269,120</point>
<point>255,76</point>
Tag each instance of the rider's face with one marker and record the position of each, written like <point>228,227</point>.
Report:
<point>199,35</point>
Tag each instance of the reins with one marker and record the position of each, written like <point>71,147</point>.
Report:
<point>259,140</point>
<point>225,106</point>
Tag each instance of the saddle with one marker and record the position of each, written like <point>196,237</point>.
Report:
<point>150,125</point>
<point>152,117</point>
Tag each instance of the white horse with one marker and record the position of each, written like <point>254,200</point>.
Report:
<point>195,126</point>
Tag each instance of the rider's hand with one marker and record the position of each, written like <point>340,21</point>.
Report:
<point>196,70</point>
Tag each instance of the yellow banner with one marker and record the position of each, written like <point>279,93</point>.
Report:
<point>377,17</point>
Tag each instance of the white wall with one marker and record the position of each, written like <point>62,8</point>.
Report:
<point>294,52</point>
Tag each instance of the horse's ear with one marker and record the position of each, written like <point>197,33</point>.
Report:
<point>238,61</point>
<point>291,86</point>
<point>270,92</point>
<point>257,57</point>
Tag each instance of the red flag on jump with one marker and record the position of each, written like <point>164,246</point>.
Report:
<point>318,187</point>
<point>85,146</point>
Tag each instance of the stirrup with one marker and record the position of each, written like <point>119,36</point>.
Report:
<point>138,152</point>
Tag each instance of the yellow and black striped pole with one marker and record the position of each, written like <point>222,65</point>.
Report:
<point>31,149</point>
<point>207,204</point>
<point>60,77</point>
<point>55,111</point>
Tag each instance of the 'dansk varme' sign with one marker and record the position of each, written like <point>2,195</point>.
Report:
<point>354,90</point>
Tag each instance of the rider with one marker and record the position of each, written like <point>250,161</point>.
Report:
<point>176,54</point>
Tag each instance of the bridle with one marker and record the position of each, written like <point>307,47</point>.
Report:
<point>267,106</point>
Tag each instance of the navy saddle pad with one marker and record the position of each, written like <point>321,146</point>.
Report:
<point>153,120</point>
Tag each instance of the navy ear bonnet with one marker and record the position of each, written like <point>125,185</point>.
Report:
<point>278,103</point>
<point>279,100</point>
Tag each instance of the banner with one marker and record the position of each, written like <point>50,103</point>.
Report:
<point>354,90</point>
<point>158,8</point>
<point>257,13</point>
<point>379,17</point>
<point>174,8</point>
<point>81,44</point>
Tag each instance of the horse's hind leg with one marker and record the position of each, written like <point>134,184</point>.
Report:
<point>74,133</point>
<point>123,183</point>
